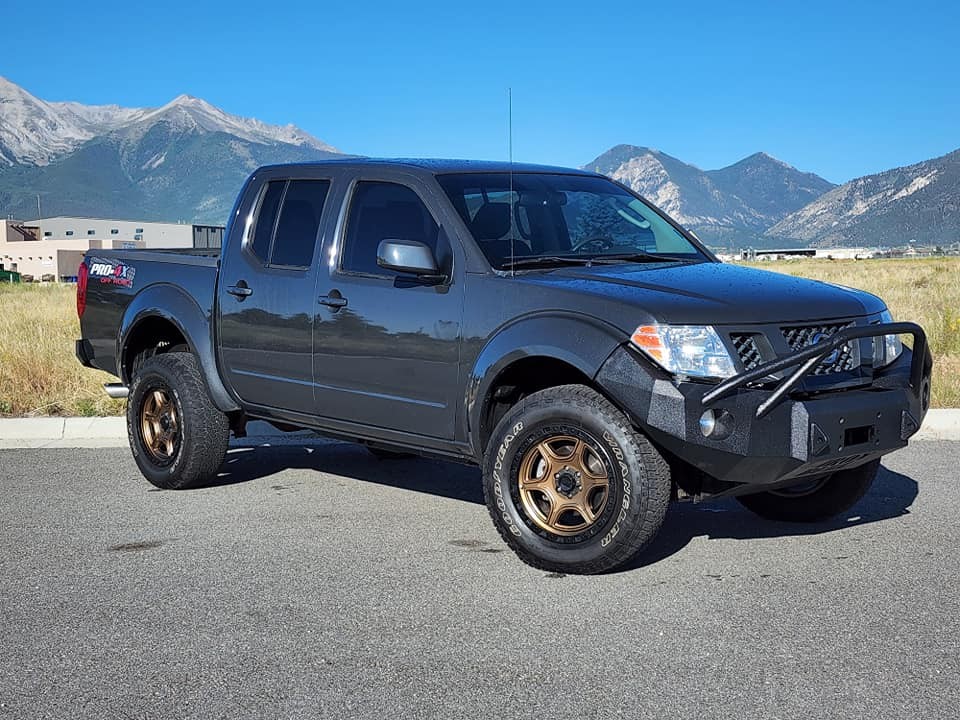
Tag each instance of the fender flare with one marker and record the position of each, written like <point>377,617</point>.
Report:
<point>170,303</point>
<point>581,341</point>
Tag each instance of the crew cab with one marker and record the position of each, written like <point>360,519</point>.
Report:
<point>550,325</point>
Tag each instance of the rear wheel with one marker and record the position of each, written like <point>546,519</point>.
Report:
<point>571,485</point>
<point>177,435</point>
<point>816,499</point>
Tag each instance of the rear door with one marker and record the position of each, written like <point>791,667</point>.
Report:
<point>386,346</point>
<point>266,296</point>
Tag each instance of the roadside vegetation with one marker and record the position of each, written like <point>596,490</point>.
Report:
<point>39,374</point>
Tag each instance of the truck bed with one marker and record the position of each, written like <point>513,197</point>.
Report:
<point>117,276</point>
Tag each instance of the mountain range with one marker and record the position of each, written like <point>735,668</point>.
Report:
<point>732,206</point>
<point>918,203</point>
<point>187,159</point>
<point>763,202</point>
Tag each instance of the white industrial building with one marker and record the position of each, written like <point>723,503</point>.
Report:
<point>831,253</point>
<point>50,249</point>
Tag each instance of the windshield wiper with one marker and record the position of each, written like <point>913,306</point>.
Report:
<point>588,260</point>
<point>637,256</point>
<point>538,260</point>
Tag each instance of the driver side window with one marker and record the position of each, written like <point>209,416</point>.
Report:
<point>383,211</point>
<point>491,224</point>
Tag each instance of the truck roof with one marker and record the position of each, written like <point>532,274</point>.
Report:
<point>440,166</point>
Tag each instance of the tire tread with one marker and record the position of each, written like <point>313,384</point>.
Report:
<point>206,429</point>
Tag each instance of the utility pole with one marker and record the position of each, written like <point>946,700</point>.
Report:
<point>39,214</point>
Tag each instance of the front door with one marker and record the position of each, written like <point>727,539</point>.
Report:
<point>386,346</point>
<point>267,298</point>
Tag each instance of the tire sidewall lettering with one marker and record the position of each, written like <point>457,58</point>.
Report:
<point>625,479</point>
<point>498,478</point>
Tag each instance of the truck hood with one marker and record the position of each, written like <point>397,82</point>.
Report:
<point>705,293</point>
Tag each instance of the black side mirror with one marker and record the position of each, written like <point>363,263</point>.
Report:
<point>407,256</point>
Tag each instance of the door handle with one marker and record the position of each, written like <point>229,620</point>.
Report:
<point>333,300</point>
<point>240,290</point>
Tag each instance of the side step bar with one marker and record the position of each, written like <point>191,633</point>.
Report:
<point>118,391</point>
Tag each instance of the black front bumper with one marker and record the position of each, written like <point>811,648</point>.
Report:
<point>769,434</point>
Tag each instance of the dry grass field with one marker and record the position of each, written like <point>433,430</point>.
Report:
<point>40,376</point>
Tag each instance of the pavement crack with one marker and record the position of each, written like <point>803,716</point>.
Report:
<point>136,546</point>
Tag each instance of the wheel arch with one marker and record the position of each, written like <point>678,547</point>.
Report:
<point>532,354</point>
<point>162,317</point>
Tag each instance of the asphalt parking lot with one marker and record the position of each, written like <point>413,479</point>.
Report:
<point>319,582</point>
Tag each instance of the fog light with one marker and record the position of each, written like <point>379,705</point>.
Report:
<point>708,423</point>
<point>716,424</point>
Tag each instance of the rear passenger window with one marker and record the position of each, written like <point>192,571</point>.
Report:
<point>288,221</point>
<point>299,221</point>
<point>381,211</point>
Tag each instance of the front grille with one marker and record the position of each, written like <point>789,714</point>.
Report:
<point>746,346</point>
<point>843,359</point>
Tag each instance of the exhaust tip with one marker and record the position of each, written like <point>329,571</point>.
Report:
<point>118,391</point>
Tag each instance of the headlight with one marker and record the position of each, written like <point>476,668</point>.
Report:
<point>693,350</point>
<point>886,349</point>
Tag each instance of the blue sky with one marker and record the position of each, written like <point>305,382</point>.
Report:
<point>838,88</point>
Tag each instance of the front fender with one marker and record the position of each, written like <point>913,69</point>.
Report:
<point>172,304</point>
<point>583,342</point>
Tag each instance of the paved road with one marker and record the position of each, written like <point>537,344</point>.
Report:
<point>318,582</point>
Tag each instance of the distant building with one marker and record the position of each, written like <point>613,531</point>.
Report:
<point>833,253</point>
<point>50,249</point>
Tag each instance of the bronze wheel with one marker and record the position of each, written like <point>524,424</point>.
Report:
<point>563,485</point>
<point>571,485</point>
<point>160,426</point>
<point>177,435</point>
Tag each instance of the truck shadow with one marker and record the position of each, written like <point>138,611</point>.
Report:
<point>350,460</point>
<point>890,497</point>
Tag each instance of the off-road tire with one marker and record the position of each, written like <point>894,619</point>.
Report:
<point>638,479</point>
<point>204,431</point>
<point>837,494</point>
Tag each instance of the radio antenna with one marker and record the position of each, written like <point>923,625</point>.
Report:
<point>510,155</point>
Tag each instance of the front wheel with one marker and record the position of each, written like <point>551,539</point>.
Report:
<point>815,499</point>
<point>177,435</point>
<point>570,484</point>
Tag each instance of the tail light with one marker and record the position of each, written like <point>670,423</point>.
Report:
<point>82,273</point>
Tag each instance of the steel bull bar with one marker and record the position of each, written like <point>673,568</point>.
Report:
<point>810,357</point>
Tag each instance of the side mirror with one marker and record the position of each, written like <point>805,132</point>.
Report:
<point>407,256</point>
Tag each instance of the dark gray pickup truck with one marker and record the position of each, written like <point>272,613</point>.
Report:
<point>547,324</point>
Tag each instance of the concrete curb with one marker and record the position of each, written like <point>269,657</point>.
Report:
<point>940,424</point>
<point>78,432</point>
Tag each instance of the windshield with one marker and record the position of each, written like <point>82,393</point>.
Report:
<point>560,216</point>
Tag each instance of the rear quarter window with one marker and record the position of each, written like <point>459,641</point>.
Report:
<point>288,221</point>
<point>266,220</point>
